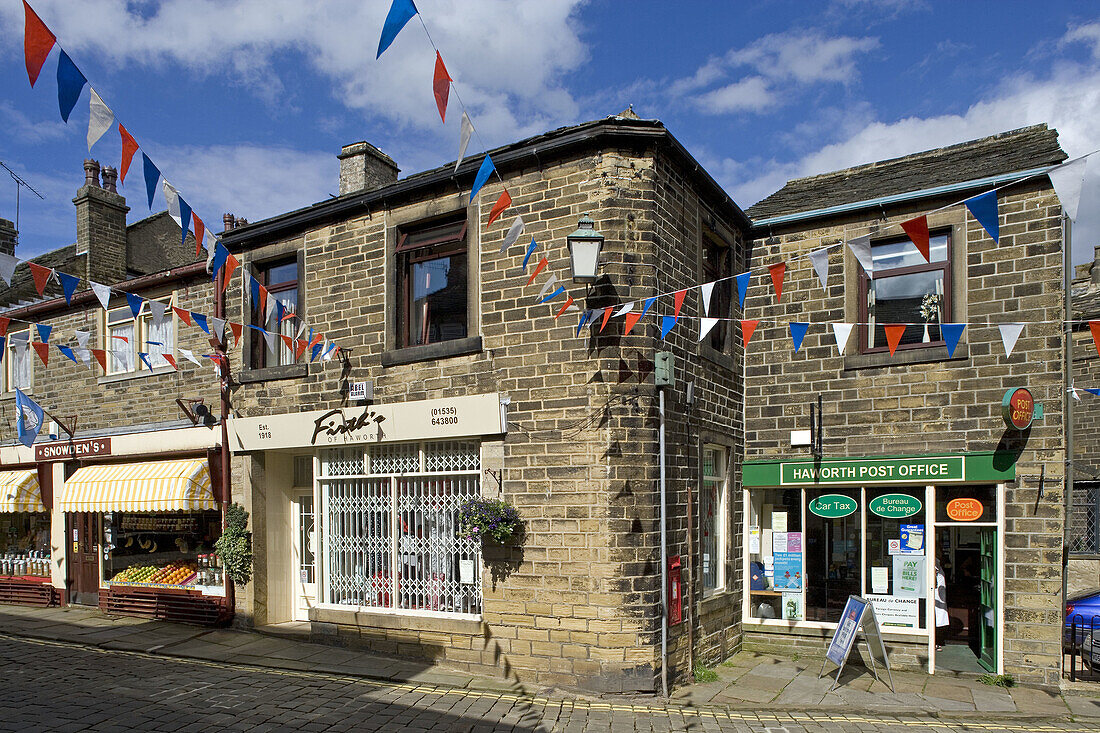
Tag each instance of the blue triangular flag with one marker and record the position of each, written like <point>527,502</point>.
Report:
<point>585,317</point>
<point>984,209</point>
<point>742,288</point>
<point>317,350</point>
<point>135,302</point>
<point>401,12</point>
<point>221,254</point>
<point>255,288</point>
<point>667,322</point>
<point>185,218</point>
<point>28,420</point>
<point>1093,391</point>
<point>951,333</point>
<point>798,332</point>
<point>44,333</point>
<point>68,352</point>
<point>648,304</point>
<point>152,175</point>
<point>70,82</point>
<point>68,284</point>
<point>200,321</point>
<point>556,293</point>
<point>482,176</point>
<point>530,250</point>
<point>145,358</point>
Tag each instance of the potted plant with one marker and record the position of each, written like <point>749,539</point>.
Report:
<point>493,521</point>
<point>930,312</point>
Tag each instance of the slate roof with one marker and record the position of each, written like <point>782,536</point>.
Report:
<point>1007,152</point>
<point>23,290</point>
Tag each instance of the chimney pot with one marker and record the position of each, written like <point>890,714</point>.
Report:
<point>364,167</point>
<point>91,172</point>
<point>110,178</point>
<point>229,221</point>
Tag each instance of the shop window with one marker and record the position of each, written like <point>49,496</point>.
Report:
<point>717,265</point>
<point>906,289</point>
<point>895,552</point>
<point>432,284</point>
<point>389,517</point>
<point>832,555</point>
<point>128,337</point>
<point>280,278</point>
<point>775,555</point>
<point>163,548</point>
<point>712,518</point>
<point>19,365</point>
<point>1084,519</point>
<point>966,504</point>
<point>25,544</point>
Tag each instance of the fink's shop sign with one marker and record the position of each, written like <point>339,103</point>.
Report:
<point>920,470</point>
<point>833,506</point>
<point>1018,408</point>
<point>894,506</point>
<point>71,449</point>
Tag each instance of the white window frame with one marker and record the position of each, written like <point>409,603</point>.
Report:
<point>721,523</point>
<point>9,360</point>
<point>142,326</point>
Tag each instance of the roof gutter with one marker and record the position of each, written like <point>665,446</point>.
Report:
<point>900,197</point>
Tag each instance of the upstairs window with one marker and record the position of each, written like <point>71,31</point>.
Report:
<point>432,284</point>
<point>906,289</point>
<point>717,265</point>
<point>280,278</point>
<point>18,366</point>
<point>128,337</point>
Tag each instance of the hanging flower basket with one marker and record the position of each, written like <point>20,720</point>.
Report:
<point>493,521</point>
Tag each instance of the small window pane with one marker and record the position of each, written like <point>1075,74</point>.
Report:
<point>832,559</point>
<point>19,369</point>
<point>906,299</point>
<point>438,300</point>
<point>120,344</point>
<point>890,255</point>
<point>285,273</point>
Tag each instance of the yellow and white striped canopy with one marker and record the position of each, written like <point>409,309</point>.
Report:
<point>154,486</point>
<point>19,492</point>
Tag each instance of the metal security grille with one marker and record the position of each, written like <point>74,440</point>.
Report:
<point>1084,520</point>
<point>390,537</point>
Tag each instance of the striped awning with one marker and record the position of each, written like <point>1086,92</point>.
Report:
<point>19,492</point>
<point>153,486</point>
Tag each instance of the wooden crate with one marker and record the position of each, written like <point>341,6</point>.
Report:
<point>165,604</point>
<point>28,592</point>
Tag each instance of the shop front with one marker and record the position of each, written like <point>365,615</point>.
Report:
<point>25,576</point>
<point>142,539</point>
<point>921,537</point>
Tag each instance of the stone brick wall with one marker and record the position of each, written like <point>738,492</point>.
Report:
<point>922,402</point>
<point>581,605</point>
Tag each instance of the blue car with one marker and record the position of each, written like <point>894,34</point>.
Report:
<point>1084,608</point>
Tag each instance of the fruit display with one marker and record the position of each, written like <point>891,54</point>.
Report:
<point>172,574</point>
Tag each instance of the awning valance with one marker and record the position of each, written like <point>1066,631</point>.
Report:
<point>153,486</point>
<point>19,492</point>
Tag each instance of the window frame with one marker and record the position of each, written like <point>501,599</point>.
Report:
<point>142,325</point>
<point>9,361</point>
<point>433,248</point>
<point>721,306</point>
<point>721,518</point>
<point>946,265</point>
<point>257,344</point>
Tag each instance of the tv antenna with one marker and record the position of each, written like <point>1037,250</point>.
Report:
<point>19,183</point>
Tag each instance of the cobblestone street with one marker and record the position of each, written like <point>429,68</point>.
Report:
<point>52,686</point>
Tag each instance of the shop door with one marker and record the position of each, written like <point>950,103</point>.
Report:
<point>84,558</point>
<point>987,601</point>
<point>304,565</point>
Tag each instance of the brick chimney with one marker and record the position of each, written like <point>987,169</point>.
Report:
<point>101,225</point>
<point>364,167</point>
<point>8,237</point>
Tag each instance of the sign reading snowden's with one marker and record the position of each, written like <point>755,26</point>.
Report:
<point>72,449</point>
<point>879,470</point>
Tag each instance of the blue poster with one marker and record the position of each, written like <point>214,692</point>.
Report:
<point>912,539</point>
<point>846,630</point>
<point>787,571</point>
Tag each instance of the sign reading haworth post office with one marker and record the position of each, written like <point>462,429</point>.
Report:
<point>880,470</point>
<point>470,415</point>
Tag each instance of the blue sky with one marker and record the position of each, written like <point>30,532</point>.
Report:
<point>244,104</point>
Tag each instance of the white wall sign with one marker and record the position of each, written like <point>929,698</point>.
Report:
<point>895,612</point>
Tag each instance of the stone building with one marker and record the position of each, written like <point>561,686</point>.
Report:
<point>1083,532</point>
<point>473,387</point>
<point>913,466</point>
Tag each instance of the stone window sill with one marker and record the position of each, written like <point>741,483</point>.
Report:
<point>442,350</point>
<point>271,374</point>
<point>127,376</point>
<point>929,355</point>
<point>395,621</point>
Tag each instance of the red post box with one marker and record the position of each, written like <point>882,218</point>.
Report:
<point>675,595</point>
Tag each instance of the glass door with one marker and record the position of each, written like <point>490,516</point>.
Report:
<point>987,601</point>
<point>305,545</point>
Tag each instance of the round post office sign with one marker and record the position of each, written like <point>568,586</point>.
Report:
<point>964,510</point>
<point>1018,408</point>
<point>895,506</point>
<point>833,506</point>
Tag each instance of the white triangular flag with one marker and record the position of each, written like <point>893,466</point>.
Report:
<point>85,354</point>
<point>1076,395</point>
<point>1010,332</point>
<point>270,338</point>
<point>706,290</point>
<point>103,293</point>
<point>217,326</point>
<point>841,332</point>
<point>513,234</point>
<point>100,119</point>
<point>705,325</point>
<point>158,309</point>
<point>269,308</point>
<point>819,258</point>
<point>466,129</point>
<point>861,248</point>
<point>551,282</point>
<point>1068,180</point>
<point>82,337</point>
<point>190,356</point>
<point>7,267</point>
<point>172,198</point>
<point>247,284</point>
<point>625,309</point>
<point>301,330</point>
<point>330,351</point>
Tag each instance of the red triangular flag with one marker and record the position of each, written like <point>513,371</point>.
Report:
<point>498,208</point>
<point>1094,326</point>
<point>129,147</point>
<point>777,272</point>
<point>37,42</point>
<point>100,356</point>
<point>679,301</point>
<point>917,229</point>
<point>231,264</point>
<point>43,351</point>
<point>41,276</point>
<point>299,347</point>
<point>185,315</point>
<point>287,316</point>
<point>441,85</point>
<point>894,332</point>
<point>171,360</point>
<point>263,299</point>
<point>542,264</point>
<point>200,232</point>
<point>606,315</point>
<point>631,319</point>
<point>747,330</point>
<point>289,343</point>
<point>237,329</point>
<point>4,326</point>
<point>568,302</point>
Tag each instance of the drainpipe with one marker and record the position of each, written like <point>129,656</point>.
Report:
<point>664,551</point>
<point>1067,257</point>
<point>223,366</point>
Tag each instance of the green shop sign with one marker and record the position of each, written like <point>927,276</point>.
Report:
<point>895,506</point>
<point>874,470</point>
<point>833,506</point>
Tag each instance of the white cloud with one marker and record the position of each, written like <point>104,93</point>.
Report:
<point>750,94</point>
<point>1088,34</point>
<point>20,129</point>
